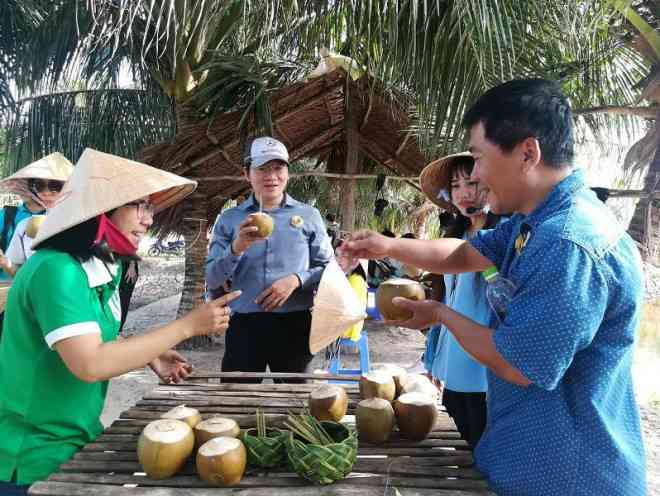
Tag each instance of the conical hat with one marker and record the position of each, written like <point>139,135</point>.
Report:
<point>102,182</point>
<point>336,308</point>
<point>435,178</point>
<point>54,166</point>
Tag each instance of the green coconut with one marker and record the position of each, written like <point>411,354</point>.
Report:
<point>221,461</point>
<point>377,385</point>
<point>215,427</point>
<point>163,447</point>
<point>374,420</point>
<point>188,415</point>
<point>328,402</point>
<point>416,415</point>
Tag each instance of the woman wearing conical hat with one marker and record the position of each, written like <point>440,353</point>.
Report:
<point>39,185</point>
<point>60,343</point>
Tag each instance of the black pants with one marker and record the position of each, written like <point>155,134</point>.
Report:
<point>277,340</point>
<point>469,413</point>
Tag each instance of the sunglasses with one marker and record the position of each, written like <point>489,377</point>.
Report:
<point>40,185</point>
<point>144,208</point>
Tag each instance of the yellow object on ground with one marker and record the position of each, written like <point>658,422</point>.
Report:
<point>360,287</point>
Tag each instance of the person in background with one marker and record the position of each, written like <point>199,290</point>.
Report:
<point>332,227</point>
<point>278,274</point>
<point>562,415</point>
<point>447,183</point>
<point>63,313</point>
<point>39,185</point>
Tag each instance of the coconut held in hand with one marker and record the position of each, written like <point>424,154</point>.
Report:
<point>405,288</point>
<point>33,225</point>
<point>264,223</point>
<point>164,446</point>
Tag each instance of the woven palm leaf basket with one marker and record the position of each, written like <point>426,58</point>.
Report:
<point>323,463</point>
<point>265,451</point>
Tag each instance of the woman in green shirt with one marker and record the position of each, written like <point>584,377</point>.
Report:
<point>63,313</point>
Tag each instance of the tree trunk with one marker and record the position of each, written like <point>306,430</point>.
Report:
<point>645,224</point>
<point>194,234</point>
<point>353,166</point>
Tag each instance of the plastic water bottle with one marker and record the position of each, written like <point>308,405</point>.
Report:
<point>499,292</point>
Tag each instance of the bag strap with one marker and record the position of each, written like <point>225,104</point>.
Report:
<point>10,217</point>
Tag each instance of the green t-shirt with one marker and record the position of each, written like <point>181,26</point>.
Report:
<point>46,413</point>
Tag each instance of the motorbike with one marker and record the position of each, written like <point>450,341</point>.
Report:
<point>167,248</point>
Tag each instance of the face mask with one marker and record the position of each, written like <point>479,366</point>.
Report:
<point>117,242</point>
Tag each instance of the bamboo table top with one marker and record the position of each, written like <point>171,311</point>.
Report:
<point>439,465</point>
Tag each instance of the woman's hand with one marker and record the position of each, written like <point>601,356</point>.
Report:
<point>171,367</point>
<point>131,272</point>
<point>212,317</point>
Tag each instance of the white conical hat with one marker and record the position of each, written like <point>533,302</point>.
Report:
<point>336,308</point>
<point>54,166</point>
<point>102,182</point>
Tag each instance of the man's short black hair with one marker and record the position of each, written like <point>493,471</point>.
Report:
<point>523,108</point>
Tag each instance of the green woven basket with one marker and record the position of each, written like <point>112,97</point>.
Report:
<point>265,452</point>
<point>324,464</point>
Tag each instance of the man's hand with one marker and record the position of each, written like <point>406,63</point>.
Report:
<point>275,296</point>
<point>248,233</point>
<point>366,244</point>
<point>426,313</point>
<point>171,367</point>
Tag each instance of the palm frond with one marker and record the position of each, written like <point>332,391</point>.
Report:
<point>120,121</point>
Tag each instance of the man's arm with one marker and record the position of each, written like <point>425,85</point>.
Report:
<point>477,341</point>
<point>441,256</point>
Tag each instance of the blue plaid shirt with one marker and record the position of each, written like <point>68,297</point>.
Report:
<point>570,329</point>
<point>299,245</point>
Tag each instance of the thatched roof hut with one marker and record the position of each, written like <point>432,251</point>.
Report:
<point>310,117</point>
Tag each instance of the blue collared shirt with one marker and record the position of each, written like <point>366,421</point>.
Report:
<point>300,248</point>
<point>570,329</point>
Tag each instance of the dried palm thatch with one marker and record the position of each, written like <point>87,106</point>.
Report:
<point>308,117</point>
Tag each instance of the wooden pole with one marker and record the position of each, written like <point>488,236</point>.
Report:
<point>333,175</point>
<point>353,166</point>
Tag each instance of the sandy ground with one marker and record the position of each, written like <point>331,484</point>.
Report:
<point>156,299</point>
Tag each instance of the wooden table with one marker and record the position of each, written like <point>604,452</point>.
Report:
<point>439,465</point>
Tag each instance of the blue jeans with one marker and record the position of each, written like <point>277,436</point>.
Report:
<point>11,489</point>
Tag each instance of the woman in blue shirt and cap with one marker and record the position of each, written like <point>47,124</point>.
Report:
<point>277,274</point>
